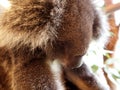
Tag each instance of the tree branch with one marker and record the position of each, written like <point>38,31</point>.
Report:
<point>112,8</point>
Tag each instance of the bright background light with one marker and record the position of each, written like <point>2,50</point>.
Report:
<point>5,3</point>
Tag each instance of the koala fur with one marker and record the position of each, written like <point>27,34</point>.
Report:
<point>36,33</point>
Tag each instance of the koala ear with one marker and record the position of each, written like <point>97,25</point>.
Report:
<point>100,27</point>
<point>96,27</point>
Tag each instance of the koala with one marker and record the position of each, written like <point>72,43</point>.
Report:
<point>42,43</point>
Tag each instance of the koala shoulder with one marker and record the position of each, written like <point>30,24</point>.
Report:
<point>31,23</point>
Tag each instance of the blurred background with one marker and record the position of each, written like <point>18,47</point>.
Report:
<point>104,62</point>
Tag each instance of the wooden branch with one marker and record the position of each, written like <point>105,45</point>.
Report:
<point>112,8</point>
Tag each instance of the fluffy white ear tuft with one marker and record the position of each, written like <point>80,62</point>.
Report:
<point>102,26</point>
<point>104,30</point>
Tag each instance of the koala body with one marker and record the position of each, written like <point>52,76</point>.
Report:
<point>36,33</point>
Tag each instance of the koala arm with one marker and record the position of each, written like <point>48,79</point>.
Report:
<point>84,79</point>
<point>34,75</point>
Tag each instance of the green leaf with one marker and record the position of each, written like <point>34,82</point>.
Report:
<point>94,68</point>
<point>115,76</point>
